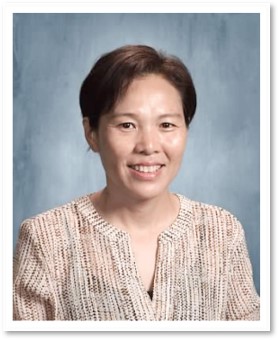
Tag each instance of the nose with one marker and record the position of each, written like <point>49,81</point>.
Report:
<point>148,142</point>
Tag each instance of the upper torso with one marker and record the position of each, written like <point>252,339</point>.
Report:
<point>91,271</point>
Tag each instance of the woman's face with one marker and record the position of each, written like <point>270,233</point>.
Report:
<point>141,142</point>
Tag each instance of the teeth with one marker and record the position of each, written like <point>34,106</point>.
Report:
<point>143,168</point>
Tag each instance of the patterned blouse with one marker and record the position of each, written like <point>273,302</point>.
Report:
<point>71,264</point>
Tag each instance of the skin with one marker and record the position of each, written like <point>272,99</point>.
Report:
<point>141,145</point>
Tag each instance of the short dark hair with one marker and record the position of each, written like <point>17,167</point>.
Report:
<point>113,72</point>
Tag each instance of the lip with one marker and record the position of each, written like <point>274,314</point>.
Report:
<point>144,174</point>
<point>146,164</point>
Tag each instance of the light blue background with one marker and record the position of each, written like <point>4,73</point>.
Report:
<point>54,52</point>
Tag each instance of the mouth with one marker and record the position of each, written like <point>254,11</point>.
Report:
<point>151,169</point>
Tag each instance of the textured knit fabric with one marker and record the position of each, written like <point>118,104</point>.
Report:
<point>70,264</point>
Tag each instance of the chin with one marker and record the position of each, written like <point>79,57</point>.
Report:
<point>147,193</point>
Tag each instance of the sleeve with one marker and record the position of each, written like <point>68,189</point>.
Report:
<point>32,295</point>
<point>243,300</point>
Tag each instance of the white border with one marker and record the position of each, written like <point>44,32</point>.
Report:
<point>128,7</point>
<point>137,7</point>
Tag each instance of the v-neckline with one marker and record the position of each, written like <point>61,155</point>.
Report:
<point>165,244</point>
<point>151,302</point>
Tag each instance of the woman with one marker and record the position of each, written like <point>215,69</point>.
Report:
<point>134,250</point>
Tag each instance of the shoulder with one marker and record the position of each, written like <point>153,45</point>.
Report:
<point>211,217</point>
<point>52,220</point>
<point>201,209</point>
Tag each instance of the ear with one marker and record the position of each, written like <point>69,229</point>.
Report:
<point>90,135</point>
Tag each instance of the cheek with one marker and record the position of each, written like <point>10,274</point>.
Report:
<point>176,143</point>
<point>114,148</point>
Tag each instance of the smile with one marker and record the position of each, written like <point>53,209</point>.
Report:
<point>146,169</point>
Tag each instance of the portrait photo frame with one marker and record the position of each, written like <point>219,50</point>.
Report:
<point>14,162</point>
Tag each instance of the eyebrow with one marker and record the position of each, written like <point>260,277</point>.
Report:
<point>121,114</point>
<point>134,115</point>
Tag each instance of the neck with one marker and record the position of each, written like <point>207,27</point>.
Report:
<point>150,215</point>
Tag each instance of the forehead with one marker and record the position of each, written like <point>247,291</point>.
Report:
<point>150,88</point>
<point>151,81</point>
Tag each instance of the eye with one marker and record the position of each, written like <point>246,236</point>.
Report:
<point>127,125</point>
<point>167,125</point>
